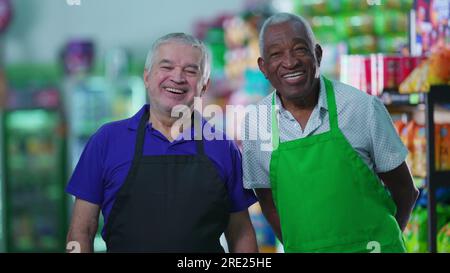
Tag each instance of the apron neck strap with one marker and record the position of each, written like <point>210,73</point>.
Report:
<point>138,150</point>
<point>331,101</point>
<point>275,129</point>
<point>196,120</point>
<point>332,112</point>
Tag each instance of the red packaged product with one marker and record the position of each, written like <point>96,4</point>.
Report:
<point>390,68</point>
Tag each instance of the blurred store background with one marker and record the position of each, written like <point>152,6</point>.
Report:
<point>68,66</point>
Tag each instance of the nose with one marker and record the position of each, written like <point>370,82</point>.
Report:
<point>289,60</point>
<point>178,76</point>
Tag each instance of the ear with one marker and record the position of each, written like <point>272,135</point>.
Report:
<point>205,87</point>
<point>318,51</point>
<point>261,66</point>
<point>146,76</point>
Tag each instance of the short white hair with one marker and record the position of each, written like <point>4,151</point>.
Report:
<point>283,17</point>
<point>187,39</point>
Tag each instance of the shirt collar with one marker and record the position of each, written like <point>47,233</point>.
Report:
<point>133,122</point>
<point>321,102</point>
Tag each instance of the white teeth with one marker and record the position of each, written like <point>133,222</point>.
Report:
<point>292,75</point>
<point>173,90</point>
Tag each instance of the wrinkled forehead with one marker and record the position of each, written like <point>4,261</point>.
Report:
<point>292,30</point>
<point>178,51</point>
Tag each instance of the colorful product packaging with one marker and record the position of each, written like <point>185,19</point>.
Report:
<point>420,152</point>
<point>444,147</point>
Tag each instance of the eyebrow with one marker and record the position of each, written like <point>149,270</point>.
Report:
<point>303,41</point>
<point>194,66</point>
<point>166,61</point>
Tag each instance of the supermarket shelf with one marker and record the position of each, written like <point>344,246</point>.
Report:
<point>393,98</point>
<point>440,94</point>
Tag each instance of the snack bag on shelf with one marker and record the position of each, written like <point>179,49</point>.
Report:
<point>406,135</point>
<point>406,65</point>
<point>420,152</point>
<point>442,220</point>
<point>411,233</point>
<point>417,80</point>
<point>435,70</point>
<point>264,234</point>
<point>399,125</point>
<point>422,220</point>
<point>439,66</point>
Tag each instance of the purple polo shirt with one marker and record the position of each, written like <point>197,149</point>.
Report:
<point>107,158</point>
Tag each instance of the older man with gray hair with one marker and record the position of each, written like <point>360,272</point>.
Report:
<point>161,192</point>
<point>336,179</point>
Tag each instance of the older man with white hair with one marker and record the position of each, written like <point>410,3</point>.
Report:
<point>159,191</point>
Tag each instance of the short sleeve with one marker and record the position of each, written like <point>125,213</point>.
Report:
<point>86,182</point>
<point>255,173</point>
<point>240,198</point>
<point>387,149</point>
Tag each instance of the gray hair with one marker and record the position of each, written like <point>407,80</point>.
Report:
<point>182,38</point>
<point>283,17</point>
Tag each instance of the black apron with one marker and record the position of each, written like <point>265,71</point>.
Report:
<point>168,203</point>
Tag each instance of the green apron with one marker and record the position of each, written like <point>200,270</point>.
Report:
<point>327,198</point>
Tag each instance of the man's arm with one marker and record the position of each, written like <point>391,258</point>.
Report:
<point>84,224</point>
<point>403,191</point>
<point>240,234</point>
<point>268,209</point>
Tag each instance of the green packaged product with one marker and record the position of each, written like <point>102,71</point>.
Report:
<point>443,217</point>
<point>403,5</point>
<point>327,37</point>
<point>356,24</point>
<point>317,7</point>
<point>416,232</point>
<point>411,233</point>
<point>356,5</point>
<point>365,44</point>
<point>390,22</point>
<point>443,239</point>
<point>323,23</point>
<point>392,43</point>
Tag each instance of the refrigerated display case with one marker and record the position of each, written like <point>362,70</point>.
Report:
<point>34,174</point>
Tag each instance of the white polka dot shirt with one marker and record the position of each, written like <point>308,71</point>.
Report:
<point>363,119</point>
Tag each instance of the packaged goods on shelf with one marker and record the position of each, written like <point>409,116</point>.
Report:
<point>376,72</point>
<point>413,137</point>
<point>416,232</point>
<point>419,165</point>
<point>432,71</point>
